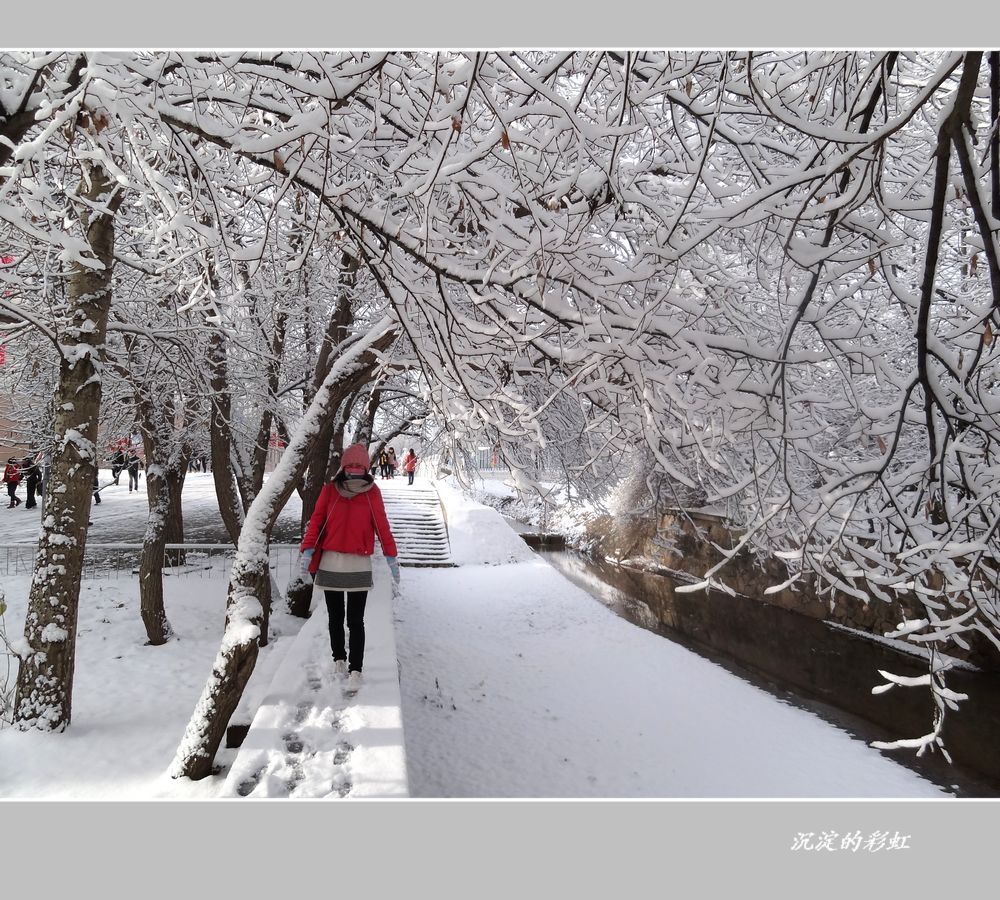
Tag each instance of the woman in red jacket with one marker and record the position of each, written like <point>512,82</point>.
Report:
<point>410,464</point>
<point>348,513</point>
<point>12,478</point>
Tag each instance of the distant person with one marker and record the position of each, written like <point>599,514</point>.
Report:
<point>348,513</point>
<point>97,490</point>
<point>410,464</point>
<point>32,476</point>
<point>12,478</point>
<point>383,464</point>
<point>133,462</point>
<point>117,464</point>
<point>392,462</point>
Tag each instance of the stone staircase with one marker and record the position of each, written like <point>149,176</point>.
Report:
<point>417,522</point>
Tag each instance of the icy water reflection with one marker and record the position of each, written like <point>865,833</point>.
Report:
<point>809,664</point>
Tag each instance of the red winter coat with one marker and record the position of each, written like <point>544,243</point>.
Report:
<point>350,524</point>
<point>409,462</point>
<point>12,473</point>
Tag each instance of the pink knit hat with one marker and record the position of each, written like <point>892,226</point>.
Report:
<point>355,457</point>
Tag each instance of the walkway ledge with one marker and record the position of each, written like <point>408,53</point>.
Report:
<point>309,737</point>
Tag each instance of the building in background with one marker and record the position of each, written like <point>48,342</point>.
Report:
<point>275,448</point>
<point>13,434</point>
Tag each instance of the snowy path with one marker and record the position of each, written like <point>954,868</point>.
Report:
<point>311,737</point>
<point>516,683</point>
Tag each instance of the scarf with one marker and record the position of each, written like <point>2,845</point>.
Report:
<point>349,486</point>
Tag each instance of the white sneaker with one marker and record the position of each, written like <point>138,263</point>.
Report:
<point>354,681</point>
<point>340,667</point>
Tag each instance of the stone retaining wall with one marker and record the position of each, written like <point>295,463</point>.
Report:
<point>685,544</point>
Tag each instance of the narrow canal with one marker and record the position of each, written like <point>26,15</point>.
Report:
<point>811,665</point>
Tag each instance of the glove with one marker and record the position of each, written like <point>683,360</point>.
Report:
<point>393,568</point>
<point>305,560</point>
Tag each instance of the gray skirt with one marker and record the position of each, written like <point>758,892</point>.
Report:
<point>343,572</point>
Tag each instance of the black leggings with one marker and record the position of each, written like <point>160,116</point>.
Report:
<point>355,623</point>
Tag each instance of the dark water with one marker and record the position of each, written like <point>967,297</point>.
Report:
<point>813,666</point>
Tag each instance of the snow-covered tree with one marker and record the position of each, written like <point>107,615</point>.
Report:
<point>773,274</point>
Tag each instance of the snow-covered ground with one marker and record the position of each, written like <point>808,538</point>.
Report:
<point>514,683</point>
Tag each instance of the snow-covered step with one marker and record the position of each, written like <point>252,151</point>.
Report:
<point>417,522</point>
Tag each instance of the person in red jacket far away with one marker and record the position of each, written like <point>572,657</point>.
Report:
<point>410,464</point>
<point>12,478</point>
<point>337,550</point>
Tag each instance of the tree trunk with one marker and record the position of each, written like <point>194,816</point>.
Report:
<point>267,415</point>
<point>234,494</point>
<point>238,653</point>
<point>161,460</point>
<point>220,438</point>
<point>156,440</point>
<point>319,460</point>
<point>154,616</point>
<point>233,667</point>
<point>330,441</point>
<point>366,427</point>
<point>266,599</point>
<point>340,321</point>
<point>298,594</point>
<point>45,679</point>
<point>994,134</point>
<point>174,477</point>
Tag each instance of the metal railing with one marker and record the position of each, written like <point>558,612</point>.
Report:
<point>179,560</point>
<point>488,460</point>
